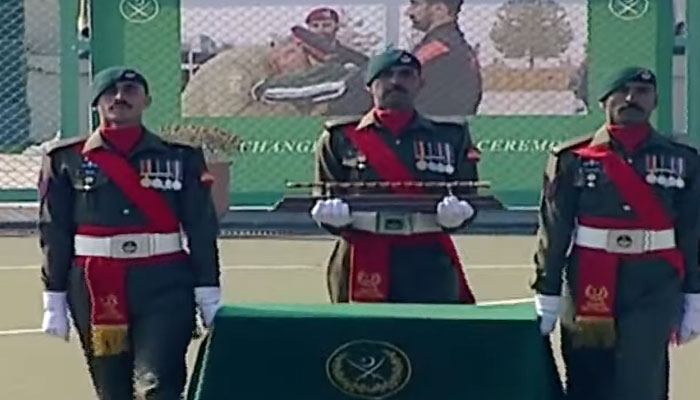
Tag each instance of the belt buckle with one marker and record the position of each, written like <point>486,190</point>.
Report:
<point>394,223</point>
<point>627,241</point>
<point>128,246</point>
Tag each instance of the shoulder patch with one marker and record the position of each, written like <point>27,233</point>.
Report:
<point>572,143</point>
<point>340,121</point>
<point>64,143</point>
<point>431,51</point>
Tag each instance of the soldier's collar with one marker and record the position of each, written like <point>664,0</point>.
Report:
<point>149,141</point>
<point>419,121</point>
<point>602,136</point>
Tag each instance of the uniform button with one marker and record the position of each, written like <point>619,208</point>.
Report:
<point>626,207</point>
<point>630,161</point>
<point>126,211</point>
<point>398,141</point>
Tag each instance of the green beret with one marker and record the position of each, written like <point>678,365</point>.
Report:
<point>622,77</point>
<point>390,58</point>
<point>110,76</point>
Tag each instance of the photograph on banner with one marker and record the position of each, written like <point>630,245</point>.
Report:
<point>484,57</point>
<point>277,59</point>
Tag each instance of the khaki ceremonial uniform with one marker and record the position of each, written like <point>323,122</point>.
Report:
<point>222,86</point>
<point>452,74</point>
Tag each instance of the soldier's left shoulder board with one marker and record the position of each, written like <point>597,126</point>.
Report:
<point>64,144</point>
<point>572,144</point>
<point>341,121</point>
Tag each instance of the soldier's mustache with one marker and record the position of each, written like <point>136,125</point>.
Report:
<point>120,103</point>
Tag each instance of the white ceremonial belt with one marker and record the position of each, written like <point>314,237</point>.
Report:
<point>625,241</point>
<point>392,223</point>
<point>137,245</point>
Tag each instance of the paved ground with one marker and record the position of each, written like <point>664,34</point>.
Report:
<point>36,367</point>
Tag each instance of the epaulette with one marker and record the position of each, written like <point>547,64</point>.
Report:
<point>447,120</point>
<point>335,122</point>
<point>64,143</point>
<point>683,141</point>
<point>571,143</point>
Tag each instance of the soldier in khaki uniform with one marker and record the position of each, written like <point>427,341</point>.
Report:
<point>222,86</point>
<point>450,65</point>
<point>113,206</point>
<point>619,216</point>
<point>394,257</point>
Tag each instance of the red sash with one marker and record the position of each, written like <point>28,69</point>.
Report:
<point>106,277</point>
<point>370,278</point>
<point>597,274</point>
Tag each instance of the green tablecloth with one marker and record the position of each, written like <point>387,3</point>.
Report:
<point>375,351</point>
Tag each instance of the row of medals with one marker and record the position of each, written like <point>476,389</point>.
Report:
<point>666,172</point>
<point>153,177</point>
<point>434,157</point>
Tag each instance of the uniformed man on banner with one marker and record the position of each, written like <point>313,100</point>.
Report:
<point>326,22</point>
<point>451,70</point>
<point>394,257</point>
<point>113,210</point>
<point>619,216</point>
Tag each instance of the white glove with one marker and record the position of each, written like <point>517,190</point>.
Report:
<point>208,299</point>
<point>548,308</point>
<point>690,325</point>
<point>452,212</point>
<point>55,320</point>
<point>333,212</point>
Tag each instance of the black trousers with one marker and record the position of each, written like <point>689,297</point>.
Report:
<point>648,305</point>
<point>162,319</point>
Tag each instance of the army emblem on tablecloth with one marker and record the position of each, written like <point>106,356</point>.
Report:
<point>369,369</point>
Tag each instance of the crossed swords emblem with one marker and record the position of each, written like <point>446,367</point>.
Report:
<point>368,367</point>
<point>139,11</point>
<point>628,9</point>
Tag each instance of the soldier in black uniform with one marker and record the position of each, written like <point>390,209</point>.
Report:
<point>619,216</point>
<point>394,256</point>
<point>113,206</point>
<point>451,70</point>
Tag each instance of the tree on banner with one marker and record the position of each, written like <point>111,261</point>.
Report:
<point>532,29</point>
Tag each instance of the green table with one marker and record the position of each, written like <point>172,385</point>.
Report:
<point>375,351</point>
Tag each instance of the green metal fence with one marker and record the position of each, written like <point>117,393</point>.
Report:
<point>266,72</point>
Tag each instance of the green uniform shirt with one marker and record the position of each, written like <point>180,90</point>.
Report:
<point>338,160</point>
<point>572,190</point>
<point>75,193</point>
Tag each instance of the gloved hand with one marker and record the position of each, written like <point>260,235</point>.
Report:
<point>690,325</point>
<point>333,212</point>
<point>208,300</point>
<point>55,320</point>
<point>548,308</point>
<point>452,212</point>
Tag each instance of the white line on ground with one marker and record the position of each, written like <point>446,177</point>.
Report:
<point>505,302</point>
<point>283,267</point>
<point>19,332</point>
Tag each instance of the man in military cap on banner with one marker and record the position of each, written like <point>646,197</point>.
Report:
<point>326,22</point>
<point>451,70</point>
<point>626,198</point>
<point>112,209</point>
<point>395,257</point>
